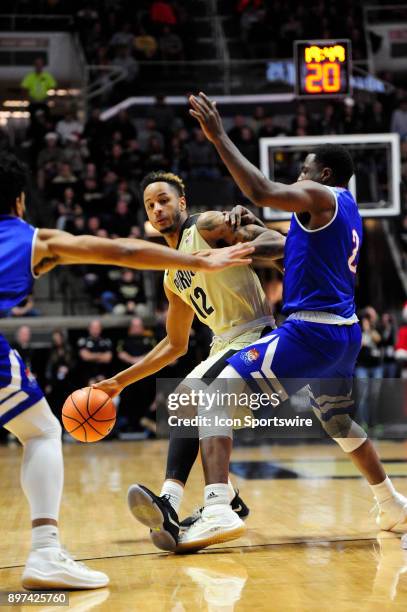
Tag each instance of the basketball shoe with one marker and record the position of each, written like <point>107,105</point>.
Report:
<point>54,568</point>
<point>237,504</point>
<point>217,524</point>
<point>392,514</point>
<point>157,513</point>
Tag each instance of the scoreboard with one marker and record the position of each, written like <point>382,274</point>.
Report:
<point>322,68</point>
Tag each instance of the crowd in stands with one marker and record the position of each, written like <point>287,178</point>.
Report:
<point>269,29</point>
<point>126,34</point>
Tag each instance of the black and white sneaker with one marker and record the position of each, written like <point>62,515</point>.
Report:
<point>157,514</point>
<point>237,505</point>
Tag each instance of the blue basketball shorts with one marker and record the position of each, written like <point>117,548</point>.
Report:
<point>18,388</point>
<point>299,354</point>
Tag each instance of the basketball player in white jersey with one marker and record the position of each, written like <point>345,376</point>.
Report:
<point>26,252</point>
<point>232,305</point>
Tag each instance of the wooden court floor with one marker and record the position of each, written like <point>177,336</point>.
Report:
<point>311,542</point>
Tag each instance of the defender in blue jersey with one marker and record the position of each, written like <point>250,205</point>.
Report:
<point>318,344</point>
<point>26,252</point>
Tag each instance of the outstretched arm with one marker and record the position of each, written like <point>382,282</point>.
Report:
<point>303,196</point>
<point>174,345</point>
<point>54,247</point>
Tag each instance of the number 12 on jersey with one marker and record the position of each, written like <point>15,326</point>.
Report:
<point>200,303</point>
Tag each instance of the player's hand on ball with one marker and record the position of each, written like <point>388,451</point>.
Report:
<point>208,116</point>
<point>213,260</point>
<point>109,386</point>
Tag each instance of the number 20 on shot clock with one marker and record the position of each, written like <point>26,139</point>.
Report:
<point>322,68</point>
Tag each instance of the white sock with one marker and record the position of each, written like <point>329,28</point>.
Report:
<point>175,493</point>
<point>383,491</point>
<point>232,492</point>
<point>45,536</point>
<point>216,494</point>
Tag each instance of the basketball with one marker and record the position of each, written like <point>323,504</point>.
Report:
<point>88,414</point>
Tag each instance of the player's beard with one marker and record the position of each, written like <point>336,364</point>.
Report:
<point>175,225</point>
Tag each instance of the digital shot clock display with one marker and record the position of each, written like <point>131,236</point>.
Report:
<point>322,68</point>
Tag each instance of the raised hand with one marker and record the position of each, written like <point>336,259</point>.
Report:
<point>205,111</point>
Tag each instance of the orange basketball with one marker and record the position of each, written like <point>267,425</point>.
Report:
<point>88,414</point>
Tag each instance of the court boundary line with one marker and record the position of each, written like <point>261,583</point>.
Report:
<point>317,541</point>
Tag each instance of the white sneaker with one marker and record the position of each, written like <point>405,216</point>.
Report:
<point>54,568</point>
<point>218,523</point>
<point>393,514</point>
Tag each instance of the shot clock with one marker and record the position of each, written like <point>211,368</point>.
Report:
<point>322,68</point>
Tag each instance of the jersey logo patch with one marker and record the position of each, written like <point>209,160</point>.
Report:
<point>188,238</point>
<point>250,356</point>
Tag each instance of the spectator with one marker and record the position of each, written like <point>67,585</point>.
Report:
<point>387,331</point>
<point>401,344</point>
<point>122,220</point>
<point>52,154</point>
<point>162,114</point>
<point>126,295</point>
<point>149,131</point>
<point>95,353</point>
<point>145,45</point>
<point>117,162</point>
<point>257,119</point>
<point>249,145</point>
<point>66,208</point>
<point>92,196</point>
<point>171,46</point>
<point>162,13</point>
<point>376,121</point>
<point>268,129</point>
<point>65,178</point>
<point>179,157</point>
<point>328,123</point>
<point>58,371</point>
<point>95,132</point>
<point>123,38</point>
<point>69,126</point>
<point>36,85</point>
<point>235,133</point>
<point>123,124</point>
<point>368,367</point>
<point>156,158</point>
<point>48,160</point>
<point>75,153</point>
<point>399,119</point>
<point>23,345</point>
<point>136,399</point>
<point>126,61</point>
<point>202,158</point>
<point>136,160</point>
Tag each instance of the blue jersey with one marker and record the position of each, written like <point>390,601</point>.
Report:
<point>18,389</point>
<point>16,247</point>
<point>320,265</point>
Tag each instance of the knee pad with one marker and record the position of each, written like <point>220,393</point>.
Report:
<point>217,421</point>
<point>37,421</point>
<point>344,430</point>
<point>355,438</point>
